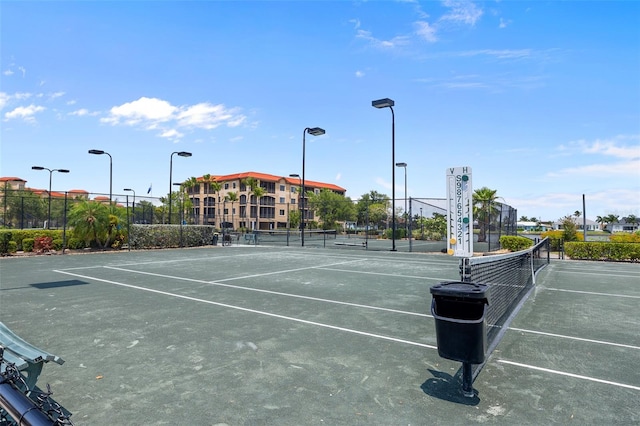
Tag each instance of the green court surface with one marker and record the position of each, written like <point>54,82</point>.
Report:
<point>255,335</point>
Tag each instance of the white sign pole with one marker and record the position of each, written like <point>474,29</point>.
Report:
<point>459,212</point>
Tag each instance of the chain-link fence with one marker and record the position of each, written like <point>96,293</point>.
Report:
<point>419,223</point>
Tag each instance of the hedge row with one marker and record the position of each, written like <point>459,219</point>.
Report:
<point>595,250</point>
<point>12,240</point>
<point>514,243</point>
<point>166,236</point>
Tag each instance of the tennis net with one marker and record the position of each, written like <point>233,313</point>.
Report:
<point>293,236</point>
<point>510,278</point>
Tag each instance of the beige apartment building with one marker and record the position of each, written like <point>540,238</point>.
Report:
<point>281,195</point>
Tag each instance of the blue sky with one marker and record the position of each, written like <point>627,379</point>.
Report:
<point>541,99</point>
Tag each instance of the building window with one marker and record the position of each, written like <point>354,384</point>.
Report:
<point>226,186</point>
<point>234,185</point>
<point>282,188</point>
<point>294,189</point>
<point>293,201</point>
<point>282,212</point>
<point>282,200</point>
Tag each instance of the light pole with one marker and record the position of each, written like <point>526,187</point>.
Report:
<point>180,154</point>
<point>50,174</point>
<point>101,152</point>
<point>406,229</point>
<point>134,203</point>
<point>314,131</point>
<point>389,103</point>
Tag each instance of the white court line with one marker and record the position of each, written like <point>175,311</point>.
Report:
<point>630,275</point>
<point>254,311</point>
<point>384,274</point>
<point>593,293</point>
<point>277,293</point>
<point>575,376</point>
<point>580,339</point>
<point>357,305</point>
<point>332,327</point>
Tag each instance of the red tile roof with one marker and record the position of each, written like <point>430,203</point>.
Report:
<point>273,178</point>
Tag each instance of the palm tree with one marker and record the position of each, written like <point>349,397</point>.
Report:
<point>206,179</point>
<point>90,221</point>
<point>188,186</point>
<point>600,220</point>
<point>216,187</point>
<point>232,197</point>
<point>258,192</point>
<point>611,218</point>
<point>251,183</point>
<point>632,219</point>
<point>483,209</point>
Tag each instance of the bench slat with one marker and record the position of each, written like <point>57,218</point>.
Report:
<point>25,350</point>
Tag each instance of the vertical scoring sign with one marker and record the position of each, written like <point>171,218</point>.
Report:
<point>459,212</point>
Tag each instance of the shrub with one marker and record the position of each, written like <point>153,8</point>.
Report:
<point>556,238</point>
<point>625,238</point>
<point>13,247</point>
<point>514,243</point>
<point>5,239</point>
<point>596,250</point>
<point>43,244</point>
<point>57,244</point>
<point>75,244</point>
<point>27,244</point>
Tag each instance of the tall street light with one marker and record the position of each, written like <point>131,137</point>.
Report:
<point>406,213</point>
<point>180,154</point>
<point>134,202</point>
<point>101,152</point>
<point>388,103</point>
<point>314,131</point>
<point>50,174</point>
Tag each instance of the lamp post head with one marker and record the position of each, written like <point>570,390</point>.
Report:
<point>37,168</point>
<point>315,131</point>
<point>383,103</point>
<point>294,175</point>
<point>129,189</point>
<point>401,164</point>
<point>184,154</point>
<point>96,151</point>
<point>62,170</point>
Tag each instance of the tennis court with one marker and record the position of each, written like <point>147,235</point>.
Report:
<point>260,335</point>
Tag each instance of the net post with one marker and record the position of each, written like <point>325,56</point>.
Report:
<point>467,380</point>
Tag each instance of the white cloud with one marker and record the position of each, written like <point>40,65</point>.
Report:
<point>462,11</point>
<point>426,31</point>
<point>4,99</point>
<point>338,176</point>
<point>56,95</point>
<point>382,44</point>
<point>171,134</point>
<point>25,113</point>
<point>623,168</point>
<point>504,23</point>
<point>80,112</point>
<point>7,72</point>
<point>144,109</point>
<point>153,114</point>
<point>359,74</point>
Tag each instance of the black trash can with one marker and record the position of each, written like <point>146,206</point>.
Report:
<point>215,239</point>
<point>459,309</point>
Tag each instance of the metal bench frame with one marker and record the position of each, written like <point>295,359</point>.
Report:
<point>27,358</point>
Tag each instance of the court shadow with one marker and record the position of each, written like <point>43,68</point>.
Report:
<point>55,284</point>
<point>449,388</point>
